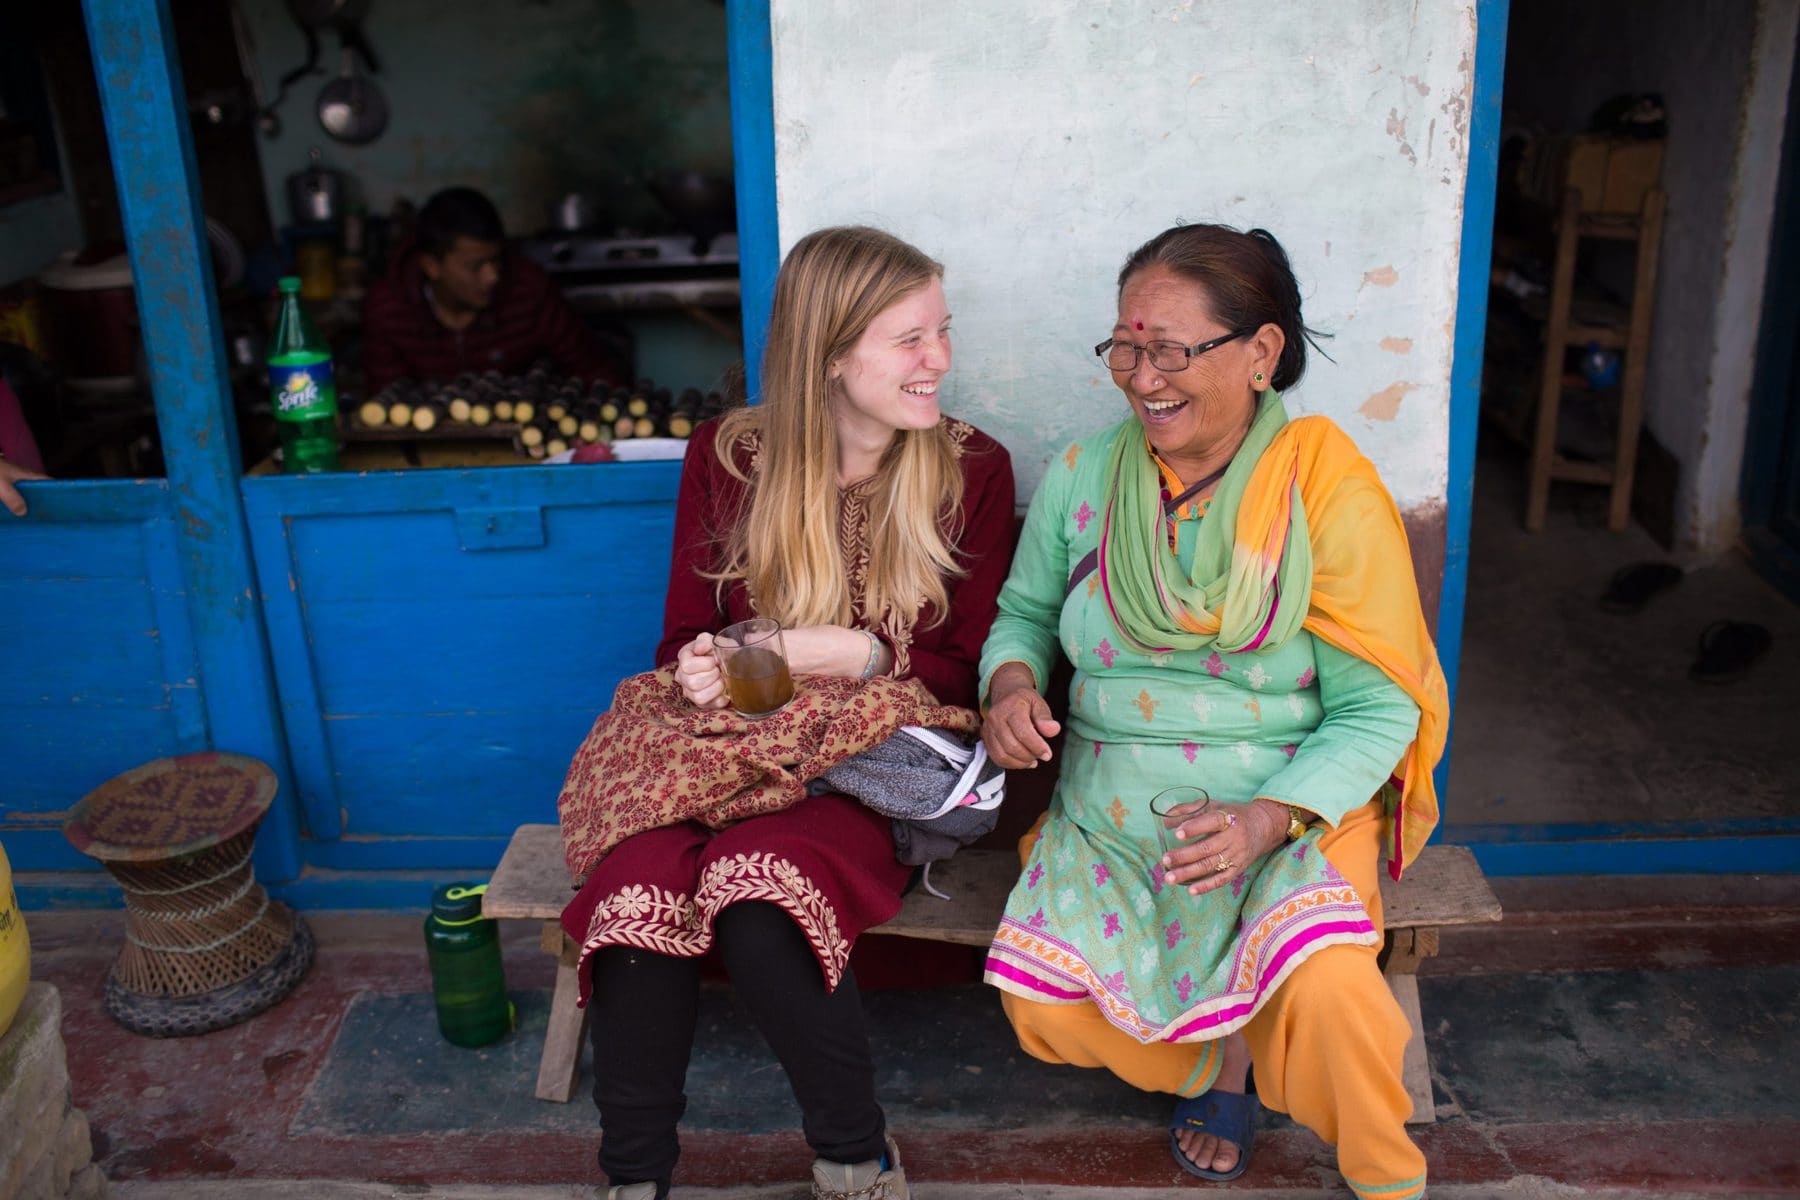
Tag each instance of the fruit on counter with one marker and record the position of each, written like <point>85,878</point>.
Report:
<point>593,452</point>
<point>560,409</point>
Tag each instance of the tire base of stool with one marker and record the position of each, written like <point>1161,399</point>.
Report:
<point>185,1016</point>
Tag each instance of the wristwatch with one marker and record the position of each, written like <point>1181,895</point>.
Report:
<point>1298,820</point>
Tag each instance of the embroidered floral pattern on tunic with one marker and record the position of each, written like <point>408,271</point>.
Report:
<point>854,504</point>
<point>650,918</point>
<point>776,880</point>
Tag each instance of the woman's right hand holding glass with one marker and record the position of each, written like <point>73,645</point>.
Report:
<point>698,673</point>
<point>1018,724</point>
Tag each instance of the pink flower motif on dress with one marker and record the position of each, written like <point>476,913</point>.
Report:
<point>1037,920</point>
<point>1237,887</point>
<point>1305,678</point>
<point>1112,926</point>
<point>1083,515</point>
<point>1290,749</point>
<point>1105,652</point>
<point>1184,987</point>
<point>1190,749</point>
<point>1096,749</point>
<point>1215,666</point>
<point>1115,982</point>
<point>1172,934</point>
<point>1101,874</point>
<point>1036,876</point>
<point>1300,853</point>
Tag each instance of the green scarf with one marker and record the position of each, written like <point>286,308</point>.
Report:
<point>1229,599</point>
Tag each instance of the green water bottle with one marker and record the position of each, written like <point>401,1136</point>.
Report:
<point>466,979</point>
<point>302,388</point>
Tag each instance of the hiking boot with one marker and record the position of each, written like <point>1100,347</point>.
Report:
<point>861,1181</point>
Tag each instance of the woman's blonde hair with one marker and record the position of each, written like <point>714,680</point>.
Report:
<point>832,285</point>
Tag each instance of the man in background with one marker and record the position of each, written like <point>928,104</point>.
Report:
<point>458,300</point>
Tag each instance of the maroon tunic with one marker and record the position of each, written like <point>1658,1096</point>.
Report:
<point>828,861</point>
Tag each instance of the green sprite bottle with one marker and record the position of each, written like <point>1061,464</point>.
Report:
<point>302,388</point>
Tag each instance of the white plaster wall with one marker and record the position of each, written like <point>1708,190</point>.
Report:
<point>1031,146</point>
<point>1711,495</point>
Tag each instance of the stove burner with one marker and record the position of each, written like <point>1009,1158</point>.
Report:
<point>666,271</point>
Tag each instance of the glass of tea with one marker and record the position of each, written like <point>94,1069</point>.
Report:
<point>755,665</point>
<point>1170,807</point>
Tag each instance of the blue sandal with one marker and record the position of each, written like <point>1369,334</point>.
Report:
<point>1228,1116</point>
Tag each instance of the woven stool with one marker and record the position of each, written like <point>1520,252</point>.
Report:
<point>205,946</point>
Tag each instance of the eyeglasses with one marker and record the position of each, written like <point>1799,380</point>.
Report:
<point>1164,356</point>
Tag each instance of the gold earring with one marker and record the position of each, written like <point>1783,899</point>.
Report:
<point>1259,377</point>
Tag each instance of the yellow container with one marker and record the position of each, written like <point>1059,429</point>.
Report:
<point>15,948</point>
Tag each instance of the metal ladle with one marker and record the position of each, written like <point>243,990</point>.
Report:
<point>351,108</point>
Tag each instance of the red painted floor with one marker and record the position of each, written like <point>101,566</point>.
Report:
<point>221,1106</point>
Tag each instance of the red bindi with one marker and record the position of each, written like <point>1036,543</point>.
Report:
<point>1140,325</point>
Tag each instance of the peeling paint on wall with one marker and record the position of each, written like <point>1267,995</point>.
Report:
<point>1385,404</point>
<point>1031,146</point>
<point>1397,345</point>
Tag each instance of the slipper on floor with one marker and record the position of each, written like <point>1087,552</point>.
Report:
<point>1633,586</point>
<point>1727,648</point>
<point>1228,1116</point>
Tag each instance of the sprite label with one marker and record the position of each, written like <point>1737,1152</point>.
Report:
<point>304,391</point>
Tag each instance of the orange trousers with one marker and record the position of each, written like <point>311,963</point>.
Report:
<point>1327,1046</point>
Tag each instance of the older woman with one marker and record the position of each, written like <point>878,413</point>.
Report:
<point>1234,591</point>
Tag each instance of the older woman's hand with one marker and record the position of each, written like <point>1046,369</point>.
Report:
<point>1226,839</point>
<point>1018,722</point>
<point>697,671</point>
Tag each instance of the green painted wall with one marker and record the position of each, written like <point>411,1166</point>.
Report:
<point>526,100</point>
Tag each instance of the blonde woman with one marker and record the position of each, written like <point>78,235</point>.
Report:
<point>878,531</point>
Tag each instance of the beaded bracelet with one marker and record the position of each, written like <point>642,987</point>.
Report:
<point>868,671</point>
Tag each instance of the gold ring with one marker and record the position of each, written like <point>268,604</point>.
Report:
<point>1224,864</point>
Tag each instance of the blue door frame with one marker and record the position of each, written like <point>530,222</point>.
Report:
<point>145,106</point>
<point>141,92</point>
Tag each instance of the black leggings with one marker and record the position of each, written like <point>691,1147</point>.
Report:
<point>643,1010</point>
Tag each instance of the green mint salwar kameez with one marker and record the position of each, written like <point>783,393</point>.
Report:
<point>1301,723</point>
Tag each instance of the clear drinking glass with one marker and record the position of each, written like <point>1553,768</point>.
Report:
<point>754,662</point>
<point>1170,807</point>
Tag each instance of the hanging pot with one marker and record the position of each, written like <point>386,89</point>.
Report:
<point>315,195</point>
<point>351,108</point>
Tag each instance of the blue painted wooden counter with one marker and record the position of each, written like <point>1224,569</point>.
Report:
<point>100,665</point>
<point>441,641</point>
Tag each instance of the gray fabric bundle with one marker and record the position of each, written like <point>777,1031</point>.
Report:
<point>941,793</point>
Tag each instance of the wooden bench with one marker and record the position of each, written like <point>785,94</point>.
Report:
<point>1443,887</point>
